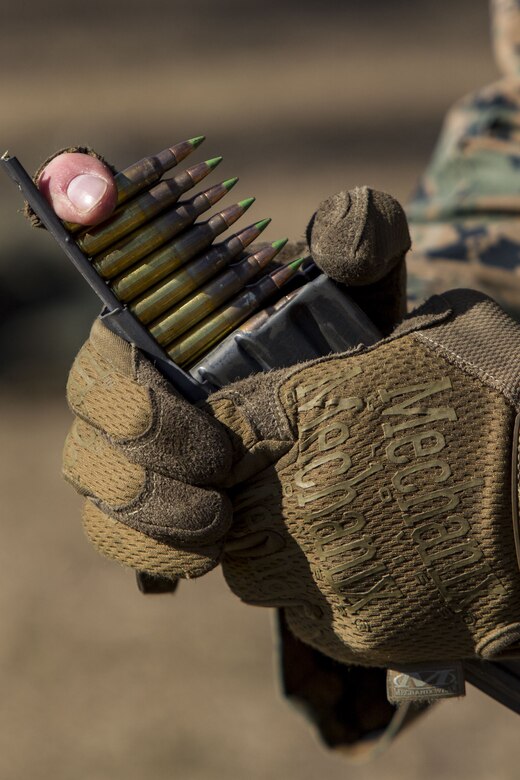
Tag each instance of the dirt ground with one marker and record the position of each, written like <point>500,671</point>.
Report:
<point>303,99</point>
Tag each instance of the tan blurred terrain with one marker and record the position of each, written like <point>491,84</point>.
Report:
<point>303,99</point>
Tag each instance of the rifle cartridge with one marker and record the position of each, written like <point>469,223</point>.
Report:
<point>150,169</point>
<point>176,253</point>
<point>144,172</point>
<point>178,285</point>
<point>143,208</point>
<point>197,341</point>
<point>257,320</point>
<point>157,232</point>
<point>208,298</point>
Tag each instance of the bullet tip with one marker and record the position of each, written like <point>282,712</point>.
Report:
<point>294,264</point>
<point>213,162</point>
<point>279,244</point>
<point>229,183</point>
<point>197,140</point>
<point>262,224</point>
<point>244,204</point>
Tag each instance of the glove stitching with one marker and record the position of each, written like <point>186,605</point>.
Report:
<point>160,552</point>
<point>153,430</point>
<point>293,426</point>
<point>138,504</point>
<point>364,222</point>
<point>279,414</point>
<point>81,407</point>
<point>472,369</point>
<point>129,506</point>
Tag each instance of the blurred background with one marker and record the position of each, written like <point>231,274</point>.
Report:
<point>303,99</point>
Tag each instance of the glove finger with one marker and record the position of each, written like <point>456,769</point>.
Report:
<point>138,551</point>
<point>103,390</point>
<point>147,501</point>
<point>360,238</point>
<point>117,390</point>
<point>96,468</point>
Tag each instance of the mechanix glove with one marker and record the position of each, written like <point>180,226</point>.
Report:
<point>372,495</point>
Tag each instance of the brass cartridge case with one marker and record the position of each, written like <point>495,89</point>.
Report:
<point>178,285</point>
<point>176,253</point>
<point>193,310</point>
<point>260,318</point>
<point>157,232</point>
<point>143,208</point>
<point>150,169</point>
<point>197,341</point>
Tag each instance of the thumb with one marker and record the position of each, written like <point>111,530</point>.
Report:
<point>79,187</point>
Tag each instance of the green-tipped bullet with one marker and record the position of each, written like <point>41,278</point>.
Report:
<point>150,169</point>
<point>246,203</point>
<point>197,140</point>
<point>174,254</point>
<point>181,283</point>
<point>143,208</point>
<point>155,233</point>
<point>205,300</point>
<point>230,183</point>
<point>282,275</point>
<point>295,264</point>
<point>193,344</point>
<point>214,162</point>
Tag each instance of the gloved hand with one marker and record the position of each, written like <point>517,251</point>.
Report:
<point>368,494</point>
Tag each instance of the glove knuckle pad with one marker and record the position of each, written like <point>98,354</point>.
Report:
<point>182,442</point>
<point>182,514</point>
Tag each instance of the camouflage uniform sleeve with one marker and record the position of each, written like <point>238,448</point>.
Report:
<point>465,213</point>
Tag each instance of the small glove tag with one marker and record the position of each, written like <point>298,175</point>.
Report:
<point>425,682</point>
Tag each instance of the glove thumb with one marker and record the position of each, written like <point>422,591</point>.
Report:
<point>254,417</point>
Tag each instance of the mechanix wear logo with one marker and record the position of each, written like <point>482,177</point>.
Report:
<point>424,682</point>
<point>427,496</point>
<point>349,563</point>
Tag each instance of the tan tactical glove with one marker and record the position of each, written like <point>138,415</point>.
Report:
<point>372,495</point>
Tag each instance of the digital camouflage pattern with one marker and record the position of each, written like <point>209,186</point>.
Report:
<point>464,216</point>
